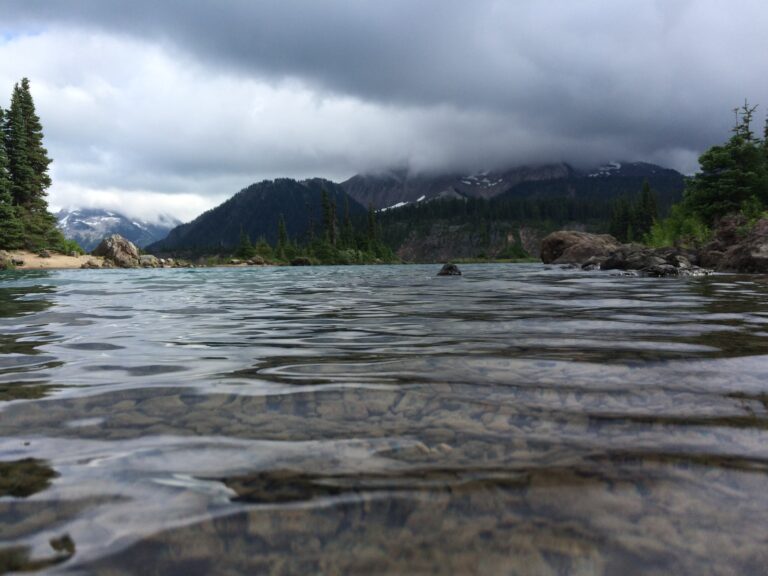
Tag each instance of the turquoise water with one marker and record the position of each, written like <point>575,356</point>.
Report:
<point>516,420</point>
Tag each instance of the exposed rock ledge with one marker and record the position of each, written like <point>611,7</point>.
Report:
<point>604,252</point>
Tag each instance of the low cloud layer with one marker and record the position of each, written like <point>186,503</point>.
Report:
<point>175,105</point>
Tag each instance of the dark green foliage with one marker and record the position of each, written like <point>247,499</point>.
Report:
<point>11,227</point>
<point>631,221</point>
<point>329,219</point>
<point>731,174</point>
<point>254,210</point>
<point>244,247</point>
<point>282,237</point>
<point>26,165</point>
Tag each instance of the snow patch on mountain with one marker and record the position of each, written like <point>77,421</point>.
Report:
<point>88,227</point>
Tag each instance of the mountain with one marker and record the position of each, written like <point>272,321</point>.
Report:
<point>397,188</point>
<point>512,222</point>
<point>256,210</point>
<point>498,214</point>
<point>89,226</point>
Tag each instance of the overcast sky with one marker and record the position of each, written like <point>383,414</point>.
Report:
<point>174,105</point>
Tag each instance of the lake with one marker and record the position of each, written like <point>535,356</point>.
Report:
<point>520,419</point>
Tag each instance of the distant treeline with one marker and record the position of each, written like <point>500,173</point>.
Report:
<point>626,208</point>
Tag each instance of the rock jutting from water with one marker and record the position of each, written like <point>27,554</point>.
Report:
<point>449,270</point>
<point>604,252</point>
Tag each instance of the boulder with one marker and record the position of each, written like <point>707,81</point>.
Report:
<point>44,254</point>
<point>90,264</point>
<point>739,246</point>
<point>449,270</point>
<point>256,261</point>
<point>149,261</point>
<point>604,252</point>
<point>572,247</point>
<point>301,261</point>
<point>119,251</point>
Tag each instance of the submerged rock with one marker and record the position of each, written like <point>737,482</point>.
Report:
<point>22,478</point>
<point>449,270</point>
<point>119,251</point>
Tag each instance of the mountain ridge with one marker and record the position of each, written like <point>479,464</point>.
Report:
<point>88,226</point>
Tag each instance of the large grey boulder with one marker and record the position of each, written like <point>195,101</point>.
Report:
<point>149,261</point>
<point>119,251</point>
<point>573,247</point>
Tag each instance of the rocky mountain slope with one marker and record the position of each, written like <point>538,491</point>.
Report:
<point>88,226</point>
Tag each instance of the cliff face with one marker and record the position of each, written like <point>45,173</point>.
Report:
<point>444,241</point>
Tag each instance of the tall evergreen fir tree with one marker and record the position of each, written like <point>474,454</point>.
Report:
<point>11,228</point>
<point>371,227</point>
<point>348,230</point>
<point>645,210</point>
<point>37,155</point>
<point>282,236</point>
<point>28,164</point>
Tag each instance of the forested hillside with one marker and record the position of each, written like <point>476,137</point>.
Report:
<point>256,212</point>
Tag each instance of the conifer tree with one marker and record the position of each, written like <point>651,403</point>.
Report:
<point>645,211</point>
<point>348,231</point>
<point>730,174</point>
<point>282,237</point>
<point>244,248</point>
<point>371,227</point>
<point>11,228</point>
<point>28,164</point>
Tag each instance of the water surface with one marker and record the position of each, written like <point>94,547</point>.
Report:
<point>516,420</point>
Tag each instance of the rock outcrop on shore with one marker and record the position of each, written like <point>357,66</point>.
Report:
<point>119,251</point>
<point>604,252</point>
<point>573,247</point>
<point>738,246</point>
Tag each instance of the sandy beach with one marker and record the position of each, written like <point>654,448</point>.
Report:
<point>56,261</point>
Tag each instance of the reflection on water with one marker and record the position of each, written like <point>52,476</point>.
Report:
<point>517,419</point>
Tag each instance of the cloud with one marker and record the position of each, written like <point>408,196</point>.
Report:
<point>201,99</point>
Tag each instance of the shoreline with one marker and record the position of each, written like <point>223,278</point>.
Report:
<point>56,261</point>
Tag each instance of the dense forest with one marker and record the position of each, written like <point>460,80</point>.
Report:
<point>24,179</point>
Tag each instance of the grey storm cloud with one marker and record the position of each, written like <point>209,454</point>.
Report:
<point>470,84</point>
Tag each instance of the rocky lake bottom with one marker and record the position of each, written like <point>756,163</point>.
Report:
<point>518,419</point>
